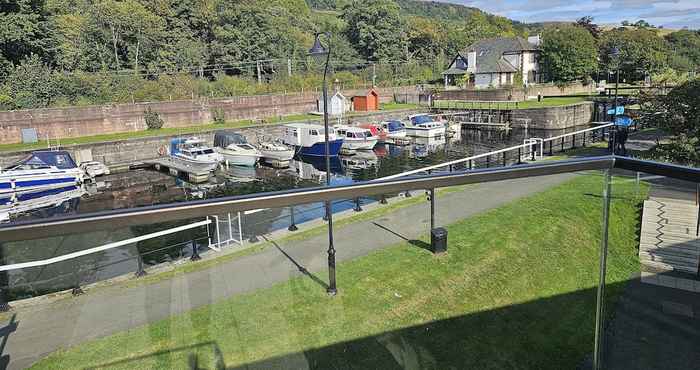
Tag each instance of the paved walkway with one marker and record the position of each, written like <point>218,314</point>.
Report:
<point>45,328</point>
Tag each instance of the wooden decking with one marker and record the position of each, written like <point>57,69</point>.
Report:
<point>668,238</point>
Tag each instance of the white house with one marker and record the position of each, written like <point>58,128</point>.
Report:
<point>495,62</point>
<point>338,104</point>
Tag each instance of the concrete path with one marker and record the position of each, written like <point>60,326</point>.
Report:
<point>43,329</point>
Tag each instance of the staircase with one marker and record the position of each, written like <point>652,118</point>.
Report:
<point>668,239</point>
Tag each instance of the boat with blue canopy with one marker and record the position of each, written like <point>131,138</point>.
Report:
<point>41,170</point>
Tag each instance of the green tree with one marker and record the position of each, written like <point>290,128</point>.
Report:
<point>641,51</point>
<point>23,30</point>
<point>685,49</point>
<point>568,53</point>
<point>376,29</point>
<point>678,113</point>
<point>587,23</point>
<point>31,84</point>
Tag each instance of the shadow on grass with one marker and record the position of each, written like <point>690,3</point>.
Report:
<point>299,266</point>
<point>414,242</point>
<point>549,333</point>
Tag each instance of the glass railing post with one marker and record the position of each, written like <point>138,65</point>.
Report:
<point>292,223</point>
<point>195,252</point>
<point>77,290</point>
<point>139,266</point>
<point>597,346</point>
<point>550,148</point>
<point>432,209</point>
<point>358,206</point>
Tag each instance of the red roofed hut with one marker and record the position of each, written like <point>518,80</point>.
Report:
<point>367,102</point>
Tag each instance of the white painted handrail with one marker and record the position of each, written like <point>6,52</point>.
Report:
<point>101,248</point>
<point>459,161</point>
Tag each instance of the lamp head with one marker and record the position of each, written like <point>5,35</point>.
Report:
<point>317,50</point>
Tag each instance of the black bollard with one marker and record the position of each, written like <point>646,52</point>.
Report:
<point>292,225</point>
<point>140,272</point>
<point>195,252</point>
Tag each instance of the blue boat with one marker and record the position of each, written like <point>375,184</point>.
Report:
<point>309,139</point>
<point>41,170</point>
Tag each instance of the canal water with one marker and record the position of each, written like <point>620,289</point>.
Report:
<point>140,188</point>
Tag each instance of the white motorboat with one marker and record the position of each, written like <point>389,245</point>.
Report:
<point>393,129</point>
<point>40,171</point>
<point>235,149</point>
<point>309,139</point>
<point>94,169</point>
<point>422,125</point>
<point>276,151</point>
<point>193,152</point>
<point>356,138</point>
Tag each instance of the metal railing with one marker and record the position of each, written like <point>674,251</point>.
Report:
<point>529,148</point>
<point>193,209</point>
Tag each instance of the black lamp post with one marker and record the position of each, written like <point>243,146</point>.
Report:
<point>615,54</point>
<point>319,52</point>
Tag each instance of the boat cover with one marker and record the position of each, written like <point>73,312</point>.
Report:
<point>60,159</point>
<point>175,145</point>
<point>222,139</point>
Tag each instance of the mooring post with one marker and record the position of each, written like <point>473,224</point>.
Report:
<point>600,309</point>
<point>139,266</point>
<point>358,207</point>
<point>292,223</point>
<point>195,252</point>
<point>382,199</point>
<point>432,209</point>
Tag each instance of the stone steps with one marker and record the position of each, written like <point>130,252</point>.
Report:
<point>668,237</point>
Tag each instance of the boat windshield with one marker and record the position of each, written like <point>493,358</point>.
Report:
<point>395,126</point>
<point>419,120</point>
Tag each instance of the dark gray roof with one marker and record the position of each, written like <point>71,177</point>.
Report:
<point>489,53</point>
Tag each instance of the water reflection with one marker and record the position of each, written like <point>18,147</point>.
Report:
<point>147,187</point>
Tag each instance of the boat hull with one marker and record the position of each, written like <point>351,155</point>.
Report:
<point>359,144</point>
<point>28,182</point>
<point>425,132</point>
<point>277,155</point>
<point>239,159</point>
<point>209,165</point>
<point>319,149</point>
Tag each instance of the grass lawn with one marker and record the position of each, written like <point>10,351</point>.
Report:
<point>515,290</point>
<point>528,104</point>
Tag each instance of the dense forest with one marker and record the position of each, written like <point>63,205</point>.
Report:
<point>78,52</point>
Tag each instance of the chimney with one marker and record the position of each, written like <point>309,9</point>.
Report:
<point>535,40</point>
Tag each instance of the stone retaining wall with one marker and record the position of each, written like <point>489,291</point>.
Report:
<point>123,152</point>
<point>513,94</point>
<point>554,118</point>
<point>95,120</point>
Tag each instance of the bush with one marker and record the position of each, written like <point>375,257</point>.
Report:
<point>218,116</point>
<point>153,120</point>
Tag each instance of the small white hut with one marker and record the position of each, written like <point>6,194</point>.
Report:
<point>338,104</point>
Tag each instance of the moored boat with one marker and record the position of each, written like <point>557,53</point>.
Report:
<point>41,170</point>
<point>393,129</point>
<point>235,149</point>
<point>272,151</point>
<point>356,138</point>
<point>422,125</point>
<point>309,139</point>
<point>193,152</point>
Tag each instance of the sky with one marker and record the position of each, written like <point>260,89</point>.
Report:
<point>667,13</point>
